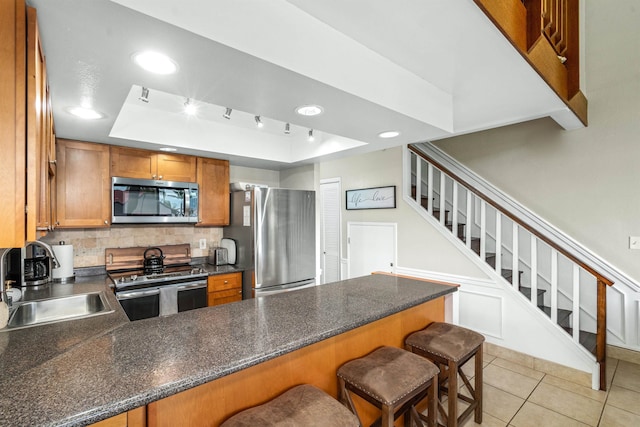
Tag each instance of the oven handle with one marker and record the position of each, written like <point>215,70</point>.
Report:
<point>137,294</point>
<point>188,286</point>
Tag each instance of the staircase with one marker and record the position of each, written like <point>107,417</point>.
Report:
<point>567,291</point>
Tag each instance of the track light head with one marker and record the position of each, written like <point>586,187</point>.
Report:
<point>227,113</point>
<point>144,96</point>
<point>259,122</point>
<point>287,129</point>
<point>311,138</point>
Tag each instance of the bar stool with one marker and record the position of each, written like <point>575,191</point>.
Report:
<point>450,347</point>
<point>393,380</point>
<point>303,405</point>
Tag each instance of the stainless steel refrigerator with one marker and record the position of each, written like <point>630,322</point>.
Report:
<point>275,236</point>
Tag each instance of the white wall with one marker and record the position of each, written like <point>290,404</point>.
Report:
<point>420,246</point>
<point>585,182</point>
<point>300,178</point>
<point>254,176</point>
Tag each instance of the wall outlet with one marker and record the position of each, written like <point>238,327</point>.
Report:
<point>203,243</point>
<point>634,242</point>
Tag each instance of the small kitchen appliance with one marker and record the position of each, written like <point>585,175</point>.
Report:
<point>218,256</point>
<point>30,265</point>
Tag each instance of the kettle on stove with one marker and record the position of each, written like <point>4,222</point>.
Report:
<point>153,263</point>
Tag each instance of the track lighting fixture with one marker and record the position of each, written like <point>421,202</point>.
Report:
<point>287,129</point>
<point>311,138</point>
<point>259,122</point>
<point>227,113</point>
<point>190,108</point>
<point>144,96</point>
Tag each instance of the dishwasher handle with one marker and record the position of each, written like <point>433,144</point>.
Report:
<point>188,286</point>
<point>137,294</point>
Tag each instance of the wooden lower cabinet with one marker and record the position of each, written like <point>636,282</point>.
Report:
<point>83,185</point>
<point>224,288</point>
<point>212,403</point>
<point>134,418</point>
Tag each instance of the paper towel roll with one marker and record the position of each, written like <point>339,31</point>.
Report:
<point>64,253</point>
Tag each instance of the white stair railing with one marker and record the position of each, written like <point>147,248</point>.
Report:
<point>514,242</point>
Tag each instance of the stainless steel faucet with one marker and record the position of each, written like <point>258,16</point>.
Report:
<point>49,249</point>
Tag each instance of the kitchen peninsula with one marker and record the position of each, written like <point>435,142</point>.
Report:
<point>200,366</point>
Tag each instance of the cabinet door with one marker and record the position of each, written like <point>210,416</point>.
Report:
<point>213,180</point>
<point>38,188</point>
<point>224,297</point>
<point>12,123</point>
<point>174,167</point>
<point>132,163</point>
<point>223,282</point>
<point>83,185</point>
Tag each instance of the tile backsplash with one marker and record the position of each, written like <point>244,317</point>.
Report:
<point>89,244</point>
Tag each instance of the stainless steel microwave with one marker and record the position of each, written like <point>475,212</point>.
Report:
<point>148,201</point>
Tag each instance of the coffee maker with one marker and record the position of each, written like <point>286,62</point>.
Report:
<point>30,265</point>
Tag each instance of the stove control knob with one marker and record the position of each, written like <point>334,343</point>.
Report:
<point>134,276</point>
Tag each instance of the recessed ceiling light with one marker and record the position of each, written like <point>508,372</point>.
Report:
<point>309,110</point>
<point>85,113</point>
<point>155,62</point>
<point>167,149</point>
<point>389,134</point>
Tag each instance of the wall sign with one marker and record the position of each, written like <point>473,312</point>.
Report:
<point>372,198</point>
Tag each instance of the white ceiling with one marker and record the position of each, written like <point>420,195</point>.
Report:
<point>428,68</point>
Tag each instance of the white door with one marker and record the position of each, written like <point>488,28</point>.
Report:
<point>371,247</point>
<point>330,233</point>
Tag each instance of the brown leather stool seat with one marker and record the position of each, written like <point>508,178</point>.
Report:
<point>303,405</point>
<point>392,379</point>
<point>452,346</point>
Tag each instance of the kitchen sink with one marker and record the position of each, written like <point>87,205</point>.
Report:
<point>59,309</point>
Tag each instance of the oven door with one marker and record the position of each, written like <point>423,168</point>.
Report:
<point>192,296</point>
<point>140,304</point>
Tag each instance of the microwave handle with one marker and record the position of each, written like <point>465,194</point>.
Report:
<point>187,203</point>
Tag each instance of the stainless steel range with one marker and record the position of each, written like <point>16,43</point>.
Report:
<point>175,288</point>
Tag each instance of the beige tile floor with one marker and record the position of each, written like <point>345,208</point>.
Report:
<point>518,396</point>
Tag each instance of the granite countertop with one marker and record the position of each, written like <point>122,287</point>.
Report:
<point>89,372</point>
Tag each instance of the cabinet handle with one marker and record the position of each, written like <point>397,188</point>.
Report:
<point>53,162</point>
<point>153,177</point>
<point>226,281</point>
<point>106,222</point>
<point>160,177</point>
<point>240,292</point>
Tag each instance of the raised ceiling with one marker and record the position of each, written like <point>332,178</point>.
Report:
<point>427,68</point>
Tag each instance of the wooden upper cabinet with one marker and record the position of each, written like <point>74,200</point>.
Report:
<point>213,181</point>
<point>40,142</point>
<point>83,185</point>
<point>174,167</point>
<point>134,163</point>
<point>12,123</point>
